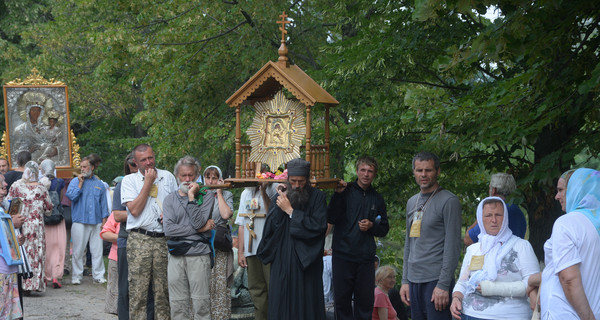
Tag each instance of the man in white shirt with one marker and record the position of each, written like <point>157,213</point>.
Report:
<point>254,200</point>
<point>143,194</point>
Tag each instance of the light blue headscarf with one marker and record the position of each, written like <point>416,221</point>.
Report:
<point>583,194</point>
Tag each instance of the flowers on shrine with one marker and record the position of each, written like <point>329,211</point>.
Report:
<point>270,175</point>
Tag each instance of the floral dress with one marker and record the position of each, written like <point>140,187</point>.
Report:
<point>222,273</point>
<point>36,202</point>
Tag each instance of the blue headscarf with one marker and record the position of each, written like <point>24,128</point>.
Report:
<point>583,194</point>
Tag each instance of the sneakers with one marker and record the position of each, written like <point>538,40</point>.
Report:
<point>56,284</point>
<point>76,281</point>
<point>100,281</point>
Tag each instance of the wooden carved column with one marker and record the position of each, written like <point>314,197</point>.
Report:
<point>327,151</point>
<point>308,150</point>
<point>238,143</point>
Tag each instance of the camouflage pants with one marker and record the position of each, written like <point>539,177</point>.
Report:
<point>148,259</point>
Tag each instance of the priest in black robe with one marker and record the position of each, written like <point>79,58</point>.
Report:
<point>292,242</point>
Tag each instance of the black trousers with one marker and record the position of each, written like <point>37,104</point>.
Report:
<point>421,306</point>
<point>20,286</point>
<point>353,289</point>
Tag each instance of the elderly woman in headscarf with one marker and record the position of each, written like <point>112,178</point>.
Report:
<point>222,272</point>
<point>570,286</point>
<point>56,234</point>
<point>495,270</point>
<point>36,204</point>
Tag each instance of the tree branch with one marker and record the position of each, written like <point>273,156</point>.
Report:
<point>474,22</point>
<point>482,69</point>
<point>165,21</point>
<point>582,42</point>
<point>293,5</point>
<point>203,40</point>
<point>196,53</point>
<point>430,84</point>
<point>444,83</point>
<point>309,58</point>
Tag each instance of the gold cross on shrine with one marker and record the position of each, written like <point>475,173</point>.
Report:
<point>283,22</point>
<point>250,226</point>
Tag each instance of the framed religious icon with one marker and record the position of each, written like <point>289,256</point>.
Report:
<point>8,241</point>
<point>37,120</point>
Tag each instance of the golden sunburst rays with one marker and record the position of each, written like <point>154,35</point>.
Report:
<point>277,131</point>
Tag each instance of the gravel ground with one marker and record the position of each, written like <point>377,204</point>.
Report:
<point>85,301</point>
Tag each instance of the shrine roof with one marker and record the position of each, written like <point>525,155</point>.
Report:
<point>275,75</point>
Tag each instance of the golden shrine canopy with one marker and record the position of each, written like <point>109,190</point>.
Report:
<point>272,77</point>
<point>264,86</point>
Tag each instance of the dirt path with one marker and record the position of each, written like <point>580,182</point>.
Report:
<point>85,301</point>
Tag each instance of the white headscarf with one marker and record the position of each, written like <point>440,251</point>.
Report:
<point>30,174</point>
<point>218,169</point>
<point>491,245</point>
<point>48,168</point>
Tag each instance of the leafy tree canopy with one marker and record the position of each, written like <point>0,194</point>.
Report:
<point>518,94</point>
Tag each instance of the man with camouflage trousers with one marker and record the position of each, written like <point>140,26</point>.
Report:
<point>143,194</point>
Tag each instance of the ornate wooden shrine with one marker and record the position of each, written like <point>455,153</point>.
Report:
<point>281,129</point>
<point>36,112</point>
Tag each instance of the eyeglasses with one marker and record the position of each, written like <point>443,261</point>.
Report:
<point>132,164</point>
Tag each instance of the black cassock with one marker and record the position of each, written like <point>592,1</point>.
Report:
<point>294,247</point>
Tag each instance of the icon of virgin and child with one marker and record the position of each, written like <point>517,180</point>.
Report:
<point>41,132</point>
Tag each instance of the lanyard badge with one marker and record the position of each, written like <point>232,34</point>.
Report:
<point>415,228</point>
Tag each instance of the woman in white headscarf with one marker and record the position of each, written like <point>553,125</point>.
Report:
<point>56,234</point>
<point>495,270</point>
<point>36,204</point>
<point>222,272</point>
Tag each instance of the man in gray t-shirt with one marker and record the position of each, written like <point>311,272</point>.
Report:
<point>432,245</point>
<point>187,221</point>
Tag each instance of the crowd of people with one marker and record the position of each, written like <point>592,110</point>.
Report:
<point>172,255</point>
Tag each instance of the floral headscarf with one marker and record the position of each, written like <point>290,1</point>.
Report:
<point>583,194</point>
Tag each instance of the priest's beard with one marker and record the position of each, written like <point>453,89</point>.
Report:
<point>298,197</point>
<point>184,187</point>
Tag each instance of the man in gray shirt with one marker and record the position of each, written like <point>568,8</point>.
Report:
<point>188,222</point>
<point>433,243</point>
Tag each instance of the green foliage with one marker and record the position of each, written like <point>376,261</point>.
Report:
<point>517,94</point>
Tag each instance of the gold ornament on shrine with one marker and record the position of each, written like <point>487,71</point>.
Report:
<point>281,129</point>
<point>35,79</point>
<point>277,131</point>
